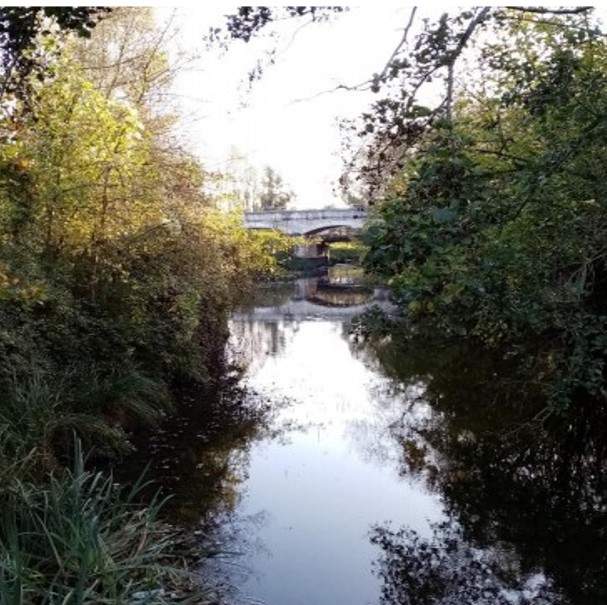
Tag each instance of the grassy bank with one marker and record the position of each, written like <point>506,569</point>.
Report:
<point>79,538</point>
<point>117,276</point>
<point>95,369</point>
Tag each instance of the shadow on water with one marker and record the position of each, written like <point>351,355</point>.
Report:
<point>526,500</point>
<point>198,457</point>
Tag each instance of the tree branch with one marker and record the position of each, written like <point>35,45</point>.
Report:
<point>398,47</point>
<point>553,11</point>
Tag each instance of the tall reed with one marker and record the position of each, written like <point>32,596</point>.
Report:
<point>84,540</point>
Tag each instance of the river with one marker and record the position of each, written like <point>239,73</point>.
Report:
<point>327,472</point>
<point>320,483</point>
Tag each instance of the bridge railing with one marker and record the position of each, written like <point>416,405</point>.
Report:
<point>303,214</point>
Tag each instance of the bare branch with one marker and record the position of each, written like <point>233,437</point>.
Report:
<point>554,11</point>
<point>482,15</point>
<point>400,45</point>
<point>366,84</point>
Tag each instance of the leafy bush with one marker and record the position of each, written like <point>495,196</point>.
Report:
<point>495,230</point>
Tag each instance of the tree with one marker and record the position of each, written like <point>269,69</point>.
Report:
<point>237,185</point>
<point>127,59</point>
<point>273,195</point>
<point>20,27</point>
<point>494,228</point>
<point>423,79</point>
<point>108,245</point>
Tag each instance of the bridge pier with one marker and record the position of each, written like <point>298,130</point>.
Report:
<point>311,250</point>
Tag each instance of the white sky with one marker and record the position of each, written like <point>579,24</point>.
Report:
<point>272,124</point>
<point>298,138</point>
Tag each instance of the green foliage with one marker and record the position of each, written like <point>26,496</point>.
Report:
<point>346,252</point>
<point>82,540</point>
<point>495,231</point>
<point>117,277</point>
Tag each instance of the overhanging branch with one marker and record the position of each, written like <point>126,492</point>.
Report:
<point>576,10</point>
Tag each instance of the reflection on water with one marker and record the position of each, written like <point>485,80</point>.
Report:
<point>531,495</point>
<point>448,569</point>
<point>350,474</point>
<point>199,457</point>
<point>313,298</point>
<point>350,506</point>
<point>320,491</point>
<point>315,488</point>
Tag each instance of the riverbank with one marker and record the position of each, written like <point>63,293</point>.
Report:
<point>80,375</point>
<point>117,278</point>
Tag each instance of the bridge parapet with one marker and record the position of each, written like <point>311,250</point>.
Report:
<point>302,222</point>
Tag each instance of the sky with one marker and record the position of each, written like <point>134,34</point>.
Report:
<point>289,119</point>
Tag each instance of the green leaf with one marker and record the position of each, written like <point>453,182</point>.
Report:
<point>443,215</point>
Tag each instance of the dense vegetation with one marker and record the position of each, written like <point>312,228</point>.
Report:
<point>491,202</point>
<point>116,278</point>
<point>490,217</point>
<point>484,160</point>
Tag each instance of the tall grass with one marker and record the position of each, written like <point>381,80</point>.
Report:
<point>83,540</point>
<point>70,536</point>
<point>39,415</point>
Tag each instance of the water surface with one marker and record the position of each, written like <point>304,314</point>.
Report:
<point>331,472</point>
<point>321,486</point>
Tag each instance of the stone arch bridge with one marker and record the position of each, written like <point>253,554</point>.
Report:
<point>306,222</point>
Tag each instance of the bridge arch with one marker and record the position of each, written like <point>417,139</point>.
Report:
<point>326,228</point>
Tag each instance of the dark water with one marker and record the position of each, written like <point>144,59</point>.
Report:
<point>336,473</point>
